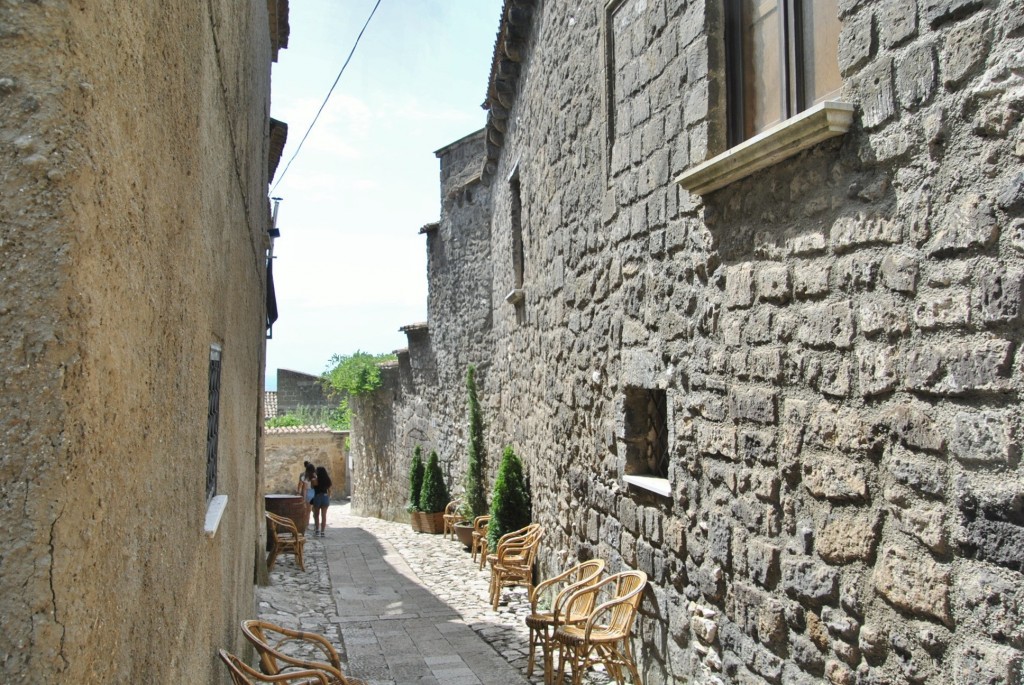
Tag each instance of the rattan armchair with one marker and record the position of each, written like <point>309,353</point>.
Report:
<point>512,561</point>
<point>243,674</point>
<point>451,517</point>
<point>285,538</point>
<point>549,609</point>
<point>479,546</point>
<point>604,636</point>
<point>268,639</point>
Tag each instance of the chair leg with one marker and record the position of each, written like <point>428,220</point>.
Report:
<point>630,662</point>
<point>579,663</point>
<point>549,646</point>
<point>298,558</point>
<point>270,559</point>
<point>534,633</point>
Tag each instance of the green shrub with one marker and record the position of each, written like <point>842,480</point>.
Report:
<point>434,494</point>
<point>415,480</point>
<point>476,490</point>
<point>285,421</point>
<point>350,375</point>
<point>510,501</point>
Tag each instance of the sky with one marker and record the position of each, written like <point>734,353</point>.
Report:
<point>350,265</point>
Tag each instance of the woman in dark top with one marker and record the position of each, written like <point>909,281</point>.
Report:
<point>321,499</point>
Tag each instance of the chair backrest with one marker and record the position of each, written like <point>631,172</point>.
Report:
<point>282,522</point>
<point>254,633</point>
<point>519,537</point>
<point>629,587</point>
<point>243,674</point>
<point>578,577</point>
<point>521,544</point>
<point>480,523</point>
<point>624,591</point>
<point>452,507</point>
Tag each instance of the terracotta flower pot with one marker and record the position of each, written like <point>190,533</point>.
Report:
<point>431,523</point>
<point>464,532</point>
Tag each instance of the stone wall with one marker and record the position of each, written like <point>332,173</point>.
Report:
<point>297,390</point>
<point>285,450</point>
<point>426,388</point>
<point>835,337</point>
<point>132,233</point>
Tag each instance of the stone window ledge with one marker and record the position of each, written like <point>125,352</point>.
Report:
<point>659,486</point>
<point>516,296</point>
<point>824,120</point>
<point>214,513</point>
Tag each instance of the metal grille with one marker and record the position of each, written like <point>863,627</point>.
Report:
<point>213,423</point>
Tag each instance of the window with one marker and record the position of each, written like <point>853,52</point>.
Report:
<point>517,296</point>
<point>213,422</point>
<point>646,421</point>
<point>517,229</point>
<point>781,59</point>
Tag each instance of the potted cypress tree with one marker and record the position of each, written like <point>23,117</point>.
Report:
<point>510,501</point>
<point>433,497</point>
<point>415,487</point>
<point>475,500</point>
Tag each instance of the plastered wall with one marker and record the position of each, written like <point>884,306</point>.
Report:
<point>133,166</point>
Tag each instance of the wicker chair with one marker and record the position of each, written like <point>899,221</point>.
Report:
<point>284,538</point>
<point>451,517</point>
<point>268,639</point>
<point>549,609</point>
<point>604,635</point>
<point>243,674</point>
<point>512,562</point>
<point>479,546</point>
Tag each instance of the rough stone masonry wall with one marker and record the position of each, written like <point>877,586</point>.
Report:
<point>297,390</point>
<point>836,335</point>
<point>285,449</point>
<point>133,164</point>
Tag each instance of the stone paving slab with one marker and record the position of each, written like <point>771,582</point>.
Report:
<point>402,607</point>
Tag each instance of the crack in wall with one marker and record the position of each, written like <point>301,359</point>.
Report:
<point>234,147</point>
<point>53,590</point>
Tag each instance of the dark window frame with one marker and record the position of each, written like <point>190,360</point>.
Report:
<point>790,78</point>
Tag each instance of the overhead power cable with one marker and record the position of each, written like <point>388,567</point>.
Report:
<point>324,104</point>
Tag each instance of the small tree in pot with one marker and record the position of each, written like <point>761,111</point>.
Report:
<point>510,501</point>
<point>433,496</point>
<point>475,500</point>
<point>416,473</point>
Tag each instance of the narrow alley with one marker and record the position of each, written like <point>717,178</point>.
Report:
<point>401,607</point>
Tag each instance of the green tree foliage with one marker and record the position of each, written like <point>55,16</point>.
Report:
<point>510,501</point>
<point>416,472</point>
<point>349,375</point>
<point>476,458</point>
<point>304,416</point>
<point>434,494</point>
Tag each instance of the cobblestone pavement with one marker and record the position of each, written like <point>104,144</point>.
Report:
<point>401,607</point>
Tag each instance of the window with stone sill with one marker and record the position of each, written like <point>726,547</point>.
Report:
<point>215,504</point>
<point>782,78</point>
<point>517,298</point>
<point>646,437</point>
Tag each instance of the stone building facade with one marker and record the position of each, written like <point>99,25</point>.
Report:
<point>783,381</point>
<point>297,391</point>
<point>133,235</point>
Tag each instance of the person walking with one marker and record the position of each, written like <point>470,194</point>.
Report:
<point>305,487</point>
<point>321,500</point>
